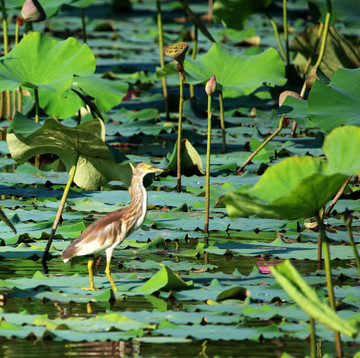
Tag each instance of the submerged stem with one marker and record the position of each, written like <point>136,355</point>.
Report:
<point>58,215</point>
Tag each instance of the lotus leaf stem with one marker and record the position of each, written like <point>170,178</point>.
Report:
<point>348,220</point>
<point>337,197</point>
<point>83,21</point>
<point>286,37</point>
<point>8,104</point>
<point>179,145</point>
<point>263,144</point>
<point>325,32</point>
<point>6,50</point>
<point>326,251</point>
<point>37,111</point>
<point>222,122</point>
<point>37,105</point>
<point>193,56</point>
<point>19,100</point>
<point>210,11</point>
<point>58,215</point>
<point>312,338</point>
<point>16,33</point>
<point>207,182</point>
<point>162,61</point>
<point>5,27</point>
<point>309,60</point>
<point>276,32</point>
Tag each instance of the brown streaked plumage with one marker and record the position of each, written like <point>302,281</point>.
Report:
<point>111,230</point>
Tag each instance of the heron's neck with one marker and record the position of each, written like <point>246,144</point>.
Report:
<point>138,194</point>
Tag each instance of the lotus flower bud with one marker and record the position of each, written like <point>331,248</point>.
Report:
<point>210,87</point>
<point>32,11</point>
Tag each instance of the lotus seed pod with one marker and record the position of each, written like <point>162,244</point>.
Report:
<point>177,52</point>
<point>32,11</point>
<point>210,87</point>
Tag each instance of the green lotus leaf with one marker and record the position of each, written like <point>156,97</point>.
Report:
<point>237,75</point>
<point>305,296</point>
<point>338,103</point>
<point>83,145</point>
<point>235,13</point>
<point>107,94</point>
<point>42,62</point>
<point>4,218</point>
<point>81,3</point>
<point>346,10</point>
<point>299,187</point>
<point>341,157</point>
<point>166,280</point>
<point>191,163</point>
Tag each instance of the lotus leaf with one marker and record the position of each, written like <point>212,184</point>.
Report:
<point>338,103</point>
<point>299,187</point>
<point>42,62</point>
<point>237,75</point>
<point>83,145</point>
<point>235,13</point>
<point>306,297</point>
<point>165,279</point>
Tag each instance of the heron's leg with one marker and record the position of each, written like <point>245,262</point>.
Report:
<point>91,276</point>
<point>109,252</point>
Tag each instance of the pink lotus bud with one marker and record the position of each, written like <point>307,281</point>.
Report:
<point>32,11</point>
<point>210,87</point>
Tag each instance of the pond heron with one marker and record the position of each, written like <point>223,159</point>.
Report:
<point>111,230</point>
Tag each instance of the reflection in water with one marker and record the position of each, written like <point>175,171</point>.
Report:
<point>13,348</point>
<point>22,348</point>
<point>114,349</point>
